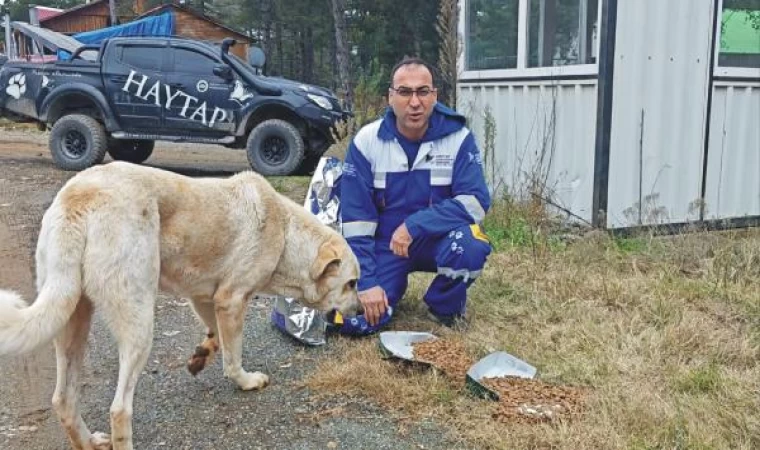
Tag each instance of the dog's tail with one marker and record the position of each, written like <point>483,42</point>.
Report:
<point>24,328</point>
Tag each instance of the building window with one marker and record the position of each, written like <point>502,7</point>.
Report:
<point>562,32</point>
<point>740,34</point>
<point>492,34</point>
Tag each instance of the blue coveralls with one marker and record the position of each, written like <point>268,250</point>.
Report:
<point>436,187</point>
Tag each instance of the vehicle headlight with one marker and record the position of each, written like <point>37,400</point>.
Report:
<point>322,102</point>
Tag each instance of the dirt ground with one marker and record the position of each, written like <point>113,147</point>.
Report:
<point>172,409</point>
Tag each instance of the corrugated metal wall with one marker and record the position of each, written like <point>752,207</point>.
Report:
<point>658,126</point>
<point>544,130</point>
<point>661,78</point>
<point>733,171</point>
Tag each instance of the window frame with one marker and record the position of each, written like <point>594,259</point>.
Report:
<point>748,73</point>
<point>522,70</point>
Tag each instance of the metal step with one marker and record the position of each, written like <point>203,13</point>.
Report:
<point>161,137</point>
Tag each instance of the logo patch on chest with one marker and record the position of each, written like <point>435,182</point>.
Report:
<point>440,160</point>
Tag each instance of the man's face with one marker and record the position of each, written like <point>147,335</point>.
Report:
<point>412,98</point>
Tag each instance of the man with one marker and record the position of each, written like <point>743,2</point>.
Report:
<point>413,196</point>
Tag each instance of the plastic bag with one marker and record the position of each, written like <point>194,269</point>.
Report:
<point>307,325</point>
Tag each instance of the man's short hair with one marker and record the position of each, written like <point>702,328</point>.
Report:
<point>413,61</point>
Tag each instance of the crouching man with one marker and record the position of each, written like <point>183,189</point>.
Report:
<point>413,196</point>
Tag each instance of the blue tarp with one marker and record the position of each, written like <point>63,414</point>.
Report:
<point>161,25</point>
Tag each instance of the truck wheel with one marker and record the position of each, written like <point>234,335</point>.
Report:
<point>77,142</point>
<point>275,147</point>
<point>130,150</point>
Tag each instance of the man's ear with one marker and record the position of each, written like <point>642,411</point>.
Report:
<point>327,261</point>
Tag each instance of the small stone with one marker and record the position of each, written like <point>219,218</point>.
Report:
<point>332,444</point>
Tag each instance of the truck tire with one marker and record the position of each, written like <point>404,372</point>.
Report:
<point>77,142</point>
<point>130,150</point>
<point>275,147</point>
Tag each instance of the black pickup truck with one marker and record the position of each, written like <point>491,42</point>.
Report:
<point>126,93</point>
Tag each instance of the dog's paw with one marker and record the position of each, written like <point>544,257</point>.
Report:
<point>253,381</point>
<point>198,361</point>
<point>203,356</point>
<point>16,86</point>
<point>100,441</point>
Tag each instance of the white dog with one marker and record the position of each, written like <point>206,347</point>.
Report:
<point>117,233</point>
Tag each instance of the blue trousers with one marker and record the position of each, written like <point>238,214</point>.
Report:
<point>457,257</point>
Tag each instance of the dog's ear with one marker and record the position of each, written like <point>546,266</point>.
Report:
<point>327,261</point>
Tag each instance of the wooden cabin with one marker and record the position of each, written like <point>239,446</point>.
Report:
<point>189,23</point>
<point>86,17</point>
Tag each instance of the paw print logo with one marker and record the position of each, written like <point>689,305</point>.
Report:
<point>240,94</point>
<point>456,235</point>
<point>476,158</point>
<point>16,86</point>
<point>456,248</point>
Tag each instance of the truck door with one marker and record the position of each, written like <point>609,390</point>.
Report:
<point>207,107</point>
<point>133,74</point>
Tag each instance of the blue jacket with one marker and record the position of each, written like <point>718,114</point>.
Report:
<point>444,189</point>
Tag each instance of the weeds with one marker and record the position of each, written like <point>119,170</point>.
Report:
<point>368,106</point>
<point>662,329</point>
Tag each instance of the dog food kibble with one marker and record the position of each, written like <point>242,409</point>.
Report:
<point>520,400</point>
<point>532,401</point>
<point>448,356</point>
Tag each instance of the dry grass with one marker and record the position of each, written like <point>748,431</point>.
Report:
<point>6,124</point>
<point>664,330</point>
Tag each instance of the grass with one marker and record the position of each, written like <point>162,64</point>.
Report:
<point>8,124</point>
<point>665,331</point>
<point>294,187</point>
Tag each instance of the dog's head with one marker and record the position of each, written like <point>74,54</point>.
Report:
<point>335,271</point>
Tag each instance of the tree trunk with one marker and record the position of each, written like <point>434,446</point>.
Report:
<point>280,53</point>
<point>341,50</point>
<point>268,47</point>
<point>308,56</point>
<point>448,50</point>
<point>112,11</point>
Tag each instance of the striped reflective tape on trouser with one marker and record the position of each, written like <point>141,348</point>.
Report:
<point>464,274</point>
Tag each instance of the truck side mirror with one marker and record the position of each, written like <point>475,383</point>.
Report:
<point>256,58</point>
<point>223,71</point>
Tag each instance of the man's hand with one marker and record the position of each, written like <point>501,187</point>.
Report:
<point>375,302</point>
<point>400,241</point>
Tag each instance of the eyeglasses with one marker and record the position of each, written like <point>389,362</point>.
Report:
<point>406,92</point>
